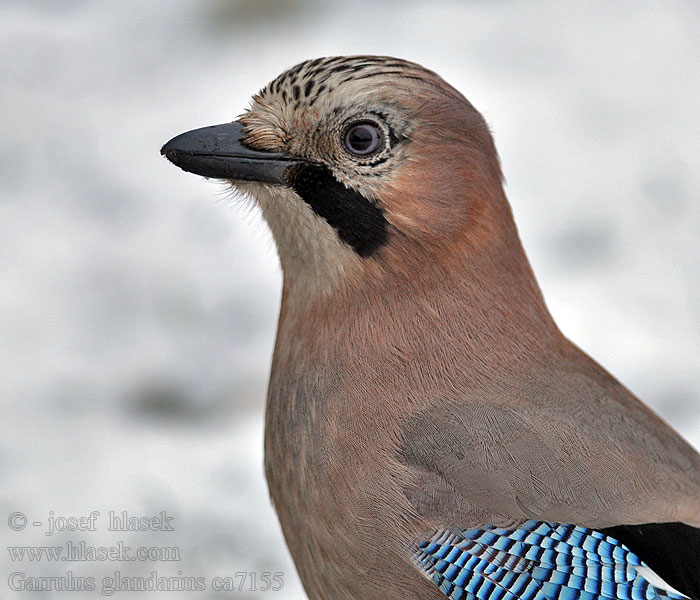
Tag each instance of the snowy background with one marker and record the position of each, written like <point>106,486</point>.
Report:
<point>138,303</point>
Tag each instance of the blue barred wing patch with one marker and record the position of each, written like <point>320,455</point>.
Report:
<point>537,561</point>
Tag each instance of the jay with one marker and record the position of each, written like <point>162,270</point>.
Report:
<point>429,432</point>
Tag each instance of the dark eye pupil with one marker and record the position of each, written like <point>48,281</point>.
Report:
<point>363,138</point>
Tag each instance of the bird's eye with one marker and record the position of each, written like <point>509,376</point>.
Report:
<point>363,139</point>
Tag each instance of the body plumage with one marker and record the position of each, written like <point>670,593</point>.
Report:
<point>429,431</point>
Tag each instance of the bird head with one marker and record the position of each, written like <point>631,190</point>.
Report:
<point>364,167</point>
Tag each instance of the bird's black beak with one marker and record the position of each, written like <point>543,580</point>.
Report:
<point>217,151</point>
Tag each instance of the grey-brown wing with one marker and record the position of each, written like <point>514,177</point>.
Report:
<point>584,452</point>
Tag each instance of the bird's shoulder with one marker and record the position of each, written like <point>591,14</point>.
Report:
<point>567,443</point>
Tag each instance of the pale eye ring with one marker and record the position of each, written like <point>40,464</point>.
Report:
<point>363,138</point>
